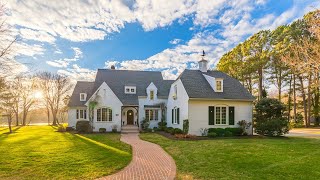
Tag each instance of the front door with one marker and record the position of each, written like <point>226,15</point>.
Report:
<point>130,117</point>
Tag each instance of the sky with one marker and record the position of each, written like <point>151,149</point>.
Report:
<point>76,37</point>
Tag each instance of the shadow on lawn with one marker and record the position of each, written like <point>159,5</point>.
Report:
<point>14,129</point>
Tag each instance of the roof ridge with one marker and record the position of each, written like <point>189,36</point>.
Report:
<point>128,70</point>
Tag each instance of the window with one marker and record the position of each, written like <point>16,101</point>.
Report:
<point>176,115</point>
<point>151,95</point>
<point>130,89</point>
<point>221,115</point>
<point>104,114</point>
<point>175,92</point>
<point>152,114</point>
<point>83,96</point>
<point>219,85</point>
<point>81,114</point>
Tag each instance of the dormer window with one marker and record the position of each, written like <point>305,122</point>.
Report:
<point>151,95</point>
<point>219,85</point>
<point>130,89</point>
<point>175,88</point>
<point>83,96</point>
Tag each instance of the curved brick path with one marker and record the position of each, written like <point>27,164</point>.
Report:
<point>149,161</point>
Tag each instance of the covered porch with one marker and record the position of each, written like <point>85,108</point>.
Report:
<point>130,116</point>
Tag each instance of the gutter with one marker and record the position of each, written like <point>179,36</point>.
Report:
<point>210,99</point>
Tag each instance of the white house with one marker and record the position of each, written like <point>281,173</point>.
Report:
<point>208,99</point>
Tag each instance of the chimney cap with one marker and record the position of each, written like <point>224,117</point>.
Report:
<point>113,67</point>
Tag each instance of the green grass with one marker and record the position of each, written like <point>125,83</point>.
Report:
<point>39,152</point>
<point>255,158</point>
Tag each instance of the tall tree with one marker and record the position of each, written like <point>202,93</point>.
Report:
<point>54,88</point>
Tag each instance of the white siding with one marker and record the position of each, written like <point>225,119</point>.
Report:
<point>199,114</point>
<point>181,102</point>
<point>72,117</point>
<point>107,98</point>
<point>146,101</point>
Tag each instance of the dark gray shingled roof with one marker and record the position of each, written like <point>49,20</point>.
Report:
<point>118,79</point>
<point>197,86</point>
<point>81,87</point>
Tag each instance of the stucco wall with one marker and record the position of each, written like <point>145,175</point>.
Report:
<point>107,98</point>
<point>72,116</point>
<point>198,114</point>
<point>181,102</point>
<point>146,101</point>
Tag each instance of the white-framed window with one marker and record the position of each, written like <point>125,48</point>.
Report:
<point>175,115</point>
<point>152,114</point>
<point>221,115</point>
<point>175,92</point>
<point>151,95</point>
<point>104,114</point>
<point>81,114</point>
<point>83,96</point>
<point>219,85</point>
<point>130,89</point>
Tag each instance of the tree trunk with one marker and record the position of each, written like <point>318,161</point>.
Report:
<point>260,86</point>
<point>309,100</point>
<point>305,111</point>
<point>9,123</point>
<point>17,118</point>
<point>289,99</point>
<point>279,81</point>
<point>316,100</point>
<point>294,99</point>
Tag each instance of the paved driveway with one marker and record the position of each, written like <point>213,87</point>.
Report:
<point>149,161</point>
<point>304,132</point>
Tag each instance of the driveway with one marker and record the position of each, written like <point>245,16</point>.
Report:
<point>304,132</point>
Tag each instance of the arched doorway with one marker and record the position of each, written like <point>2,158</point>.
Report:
<point>130,117</point>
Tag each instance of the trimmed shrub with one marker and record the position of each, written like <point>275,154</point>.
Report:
<point>185,128</point>
<point>218,131</point>
<point>69,128</point>
<point>83,126</point>
<point>169,129</point>
<point>102,130</point>
<point>212,134</point>
<point>235,131</point>
<point>162,126</point>
<point>228,134</point>
<point>145,124</point>
<point>177,131</point>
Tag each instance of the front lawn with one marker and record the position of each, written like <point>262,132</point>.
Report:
<point>39,152</point>
<point>251,158</point>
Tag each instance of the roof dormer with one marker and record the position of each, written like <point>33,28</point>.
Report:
<point>83,96</point>
<point>215,83</point>
<point>219,85</point>
<point>130,89</point>
<point>152,91</point>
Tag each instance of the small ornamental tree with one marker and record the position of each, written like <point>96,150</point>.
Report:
<point>270,119</point>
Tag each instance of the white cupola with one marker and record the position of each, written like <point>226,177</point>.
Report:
<point>203,64</point>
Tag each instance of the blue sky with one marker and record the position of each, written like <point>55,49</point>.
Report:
<point>76,37</point>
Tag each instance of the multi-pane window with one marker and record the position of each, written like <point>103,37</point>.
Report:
<point>175,115</point>
<point>152,114</point>
<point>130,89</point>
<point>81,114</point>
<point>219,85</point>
<point>221,115</point>
<point>175,92</point>
<point>151,95</point>
<point>83,96</point>
<point>104,114</point>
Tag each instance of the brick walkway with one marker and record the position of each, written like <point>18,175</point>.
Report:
<point>149,161</point>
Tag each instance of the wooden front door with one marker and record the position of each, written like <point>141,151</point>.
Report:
<point>130,117</point>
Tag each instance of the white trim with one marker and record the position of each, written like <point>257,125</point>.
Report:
<point>107,120</point>
<point>210,99</point>
<point>131,89</point>
<point>84,96</point>
<point>87,103</point>
<point>215,115</point>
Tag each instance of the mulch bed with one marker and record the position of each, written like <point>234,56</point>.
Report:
<point>196,138</point>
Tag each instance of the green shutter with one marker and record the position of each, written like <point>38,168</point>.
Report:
<point>172,115</point>
<point>178,115</point>
<point>77,115</point>
<point>211,115</point>
<point>231,115</point>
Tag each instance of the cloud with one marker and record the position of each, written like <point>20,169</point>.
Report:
<point>175,41</point>
<point>42,36</point>
<point>63,63</point>
<point>78,73</point>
